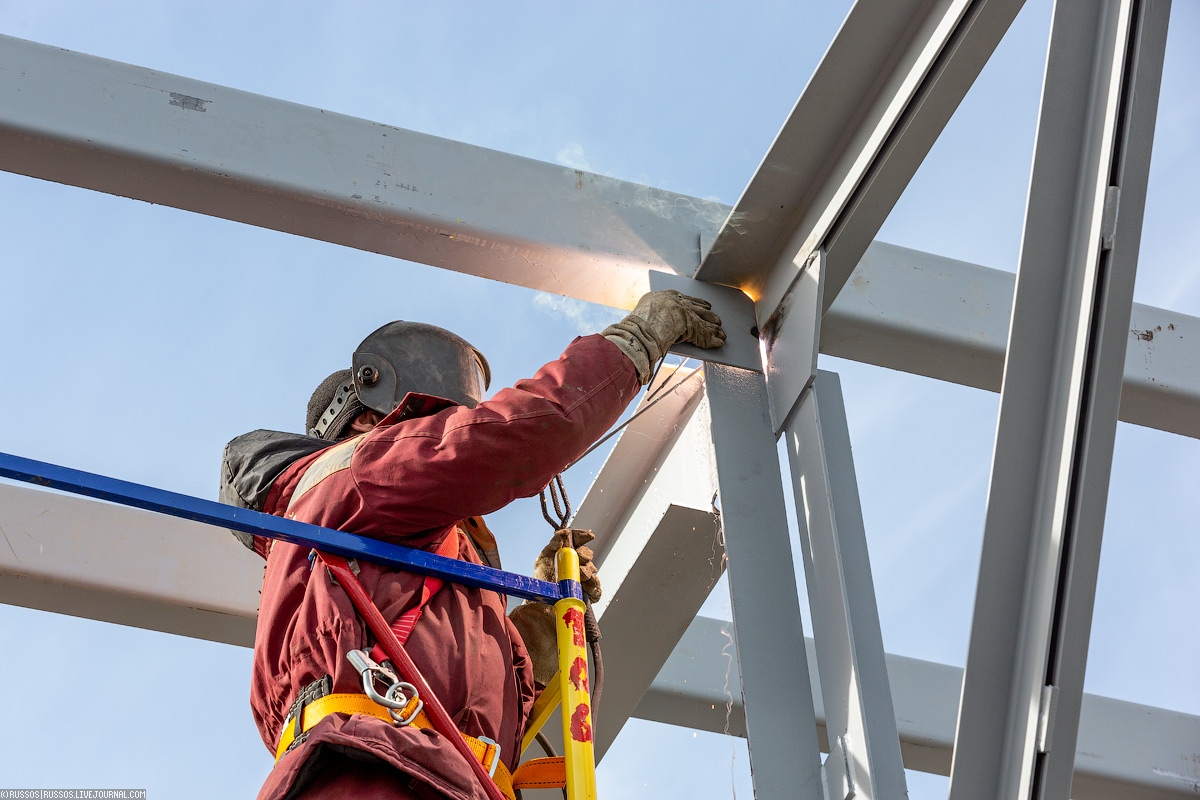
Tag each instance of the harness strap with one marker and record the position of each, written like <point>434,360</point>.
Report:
<point>408,670</point>
<point>486,752</point>
<point>403,626</point>
<point>538,773</point>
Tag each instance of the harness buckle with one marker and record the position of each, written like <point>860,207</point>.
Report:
<point>495,746</point>
<point>399,694</point>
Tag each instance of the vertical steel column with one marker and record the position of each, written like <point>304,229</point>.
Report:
<point>1019,716</point>
<point>864,746</point>
<point>781,725</point>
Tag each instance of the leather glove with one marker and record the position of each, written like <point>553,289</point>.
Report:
<point>662,319</point>
<point>535,621</point>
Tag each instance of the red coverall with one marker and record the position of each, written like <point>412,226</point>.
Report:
<point>425,467</point>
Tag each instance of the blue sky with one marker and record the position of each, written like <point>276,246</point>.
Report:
<point>179,332</point>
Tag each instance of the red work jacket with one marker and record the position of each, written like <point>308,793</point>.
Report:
<point>424,468</point>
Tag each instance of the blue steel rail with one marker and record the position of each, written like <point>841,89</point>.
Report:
<point>326,540</point>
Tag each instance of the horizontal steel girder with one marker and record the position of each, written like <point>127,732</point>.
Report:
<point>90,559</point>
<point>135,132</point>
<point>152,136</point>
<point>1126,751</point>
<point>946,319</point>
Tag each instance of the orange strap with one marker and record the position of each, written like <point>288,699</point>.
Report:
<point>403,627</point>
<point>537,773</point>
<point>541,773</point>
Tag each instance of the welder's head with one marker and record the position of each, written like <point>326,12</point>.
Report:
<point>399,358</point>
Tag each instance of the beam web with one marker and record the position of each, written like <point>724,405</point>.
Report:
<point>880,97</point>
<point>1023,683</point>
<point>855,688</point>
<point>768,632</point>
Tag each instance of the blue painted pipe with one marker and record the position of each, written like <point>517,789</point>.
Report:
<point>348,545</point>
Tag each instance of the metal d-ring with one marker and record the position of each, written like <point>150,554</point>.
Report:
<point>408,693</point>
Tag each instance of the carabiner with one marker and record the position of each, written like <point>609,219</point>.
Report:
<point>398,695</point>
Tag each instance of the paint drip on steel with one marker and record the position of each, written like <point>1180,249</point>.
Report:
<point>579,678</point>
<point>573,618</point>
<point>581,727</point>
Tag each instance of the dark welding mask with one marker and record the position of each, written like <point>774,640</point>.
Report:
<point>403,357</point>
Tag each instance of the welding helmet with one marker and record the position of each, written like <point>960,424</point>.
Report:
<point>399,358</point>
<point>403,357</point>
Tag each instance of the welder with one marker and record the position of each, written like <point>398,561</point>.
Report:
<point>403,447</point>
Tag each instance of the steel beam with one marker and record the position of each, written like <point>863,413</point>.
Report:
<point>124,565</point>
<point>768,632</point>
<point>1019,716</point>
<point>946,319</point>
<point>165,139</point>
<point>891,79</point>
<point>657,542</point>
<point>854,680</point>
<point>298,169</point>
<point>85,558</point>
<point>654,582</point>
<point>1126,751</point>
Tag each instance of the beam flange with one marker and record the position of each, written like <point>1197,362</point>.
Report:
<point>657,541</point>
<point>1023,684</point>
<point>118,564</point>
<point>136,132</point>
<point>768,631</point>
<point>122,565</point>
<point>574,234</point>
<point>888,84</point>
<point>833,542</point>
<point>947,319</point>
<point>1126,751</point>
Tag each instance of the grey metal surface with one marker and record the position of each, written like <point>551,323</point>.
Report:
<point>86,558</point>
<point>882,93</point>
<point>575,234</point>
<point>736,311</point>
<point>934,316</point>
<point>769,635</point>
<point>1126,751</point>
<point>1135,123</point>
<point>855,690</point>
<point>1018,719</point>
<point>664,575</point>
<point>658,544</point>
<point>790,340</point>
<point>140,133</point>
<point>71,555</point>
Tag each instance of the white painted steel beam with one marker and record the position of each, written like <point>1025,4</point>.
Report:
<point>768,632</point>
<point>298,169</point>
<point>117,564</point>
<point>162,138</point>
<point>655,580</point>
<point>947,319</point>
<point>1126,751</point>
<point>657,541</point>
<point>1023,685</point>
<point>91,559</point>
<point>891,79</point>
<point>833,542</point>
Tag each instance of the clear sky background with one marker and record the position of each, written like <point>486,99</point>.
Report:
<point>172,333</point>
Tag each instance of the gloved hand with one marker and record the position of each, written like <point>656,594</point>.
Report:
<point>662,319</point>
<point>535,621</point>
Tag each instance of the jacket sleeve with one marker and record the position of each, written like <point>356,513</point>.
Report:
<point>432,471</point>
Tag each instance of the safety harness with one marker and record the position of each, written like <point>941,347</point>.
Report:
<point>403,703</point>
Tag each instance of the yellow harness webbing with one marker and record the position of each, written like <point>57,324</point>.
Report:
<point>540,773</point>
